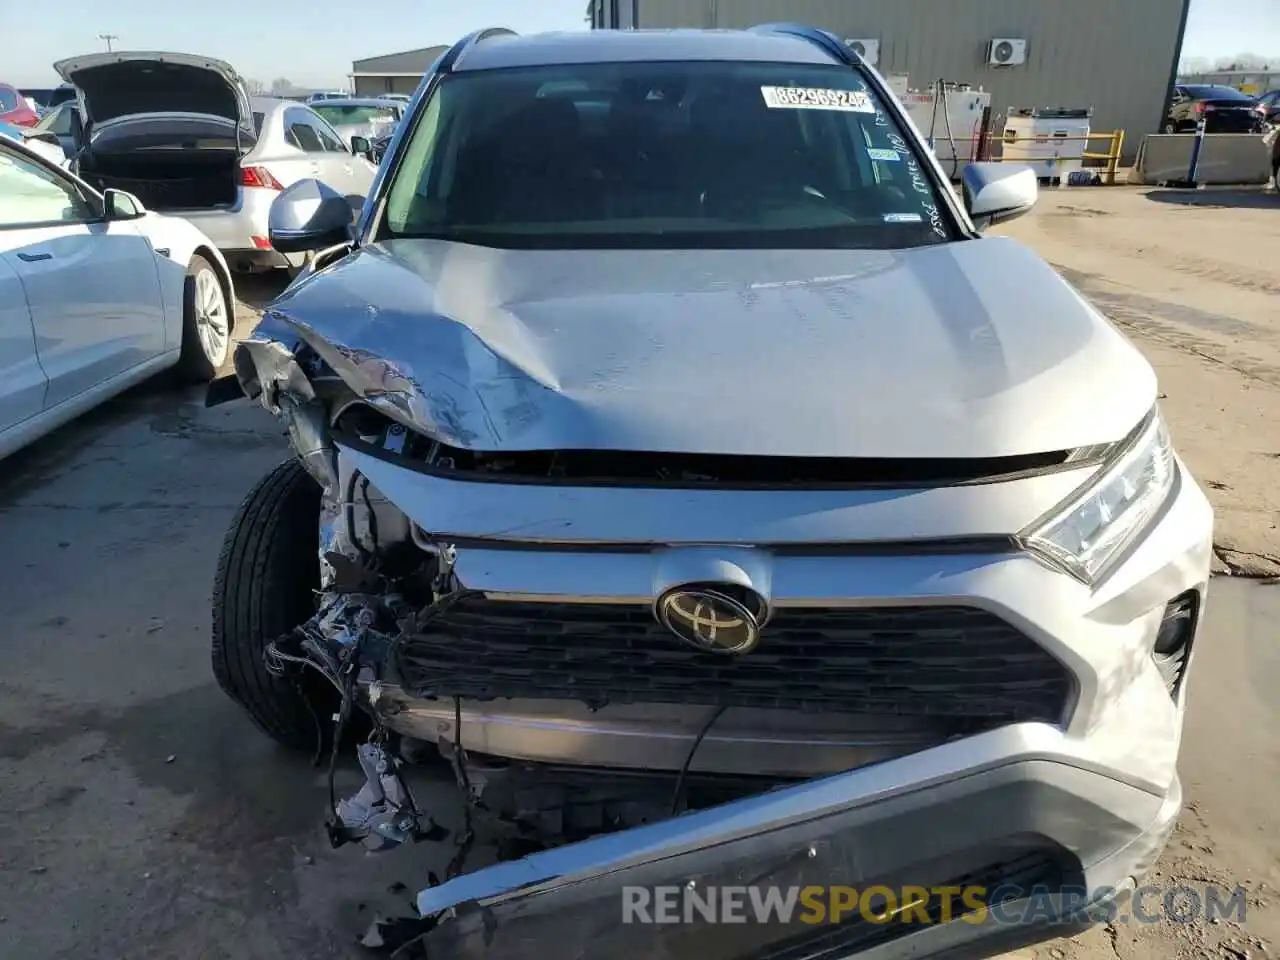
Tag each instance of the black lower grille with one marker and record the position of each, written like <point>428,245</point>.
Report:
<point>1173,642</point>
<point>944,661</point>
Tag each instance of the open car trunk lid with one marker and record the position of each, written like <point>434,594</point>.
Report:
<point>169,128</point>
<point>129,84</point>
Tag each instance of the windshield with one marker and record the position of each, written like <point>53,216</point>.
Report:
<point>340,115</point>
<point>662,155</point>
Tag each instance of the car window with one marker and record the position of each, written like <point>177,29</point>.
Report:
<point>31,194</point>
<point>300,133</point>
<point>341,114</point>
<point>664,155</point>
<point>57,121</point>
<point>8,99</point>
<point>258,120</point>
<point>328,136</point>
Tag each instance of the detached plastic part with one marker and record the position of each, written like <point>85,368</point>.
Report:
<point>381,815</point>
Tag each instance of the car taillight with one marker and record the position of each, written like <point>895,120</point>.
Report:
<point>259,177</point>
<point>1199,108</point>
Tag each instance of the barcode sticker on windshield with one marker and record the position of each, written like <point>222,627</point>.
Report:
<point>903,218</point>
<point>890,155</point>
<point>812,98</point>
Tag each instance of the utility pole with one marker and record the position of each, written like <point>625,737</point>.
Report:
<point>108,37</point>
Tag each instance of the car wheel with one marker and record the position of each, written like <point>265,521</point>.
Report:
<point>1170,127</point>
<point>264,586</point>
<point>206,323</point>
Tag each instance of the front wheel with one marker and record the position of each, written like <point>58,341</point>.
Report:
<point>1170,127</point>
<point>207,321</point>
<point>267,575</point>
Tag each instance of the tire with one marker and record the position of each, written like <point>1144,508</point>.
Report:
<point>264,586</point>
<point>207,323</point>
<point>1170,127</point>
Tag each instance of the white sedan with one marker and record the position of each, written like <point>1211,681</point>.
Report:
<point>96,294</point>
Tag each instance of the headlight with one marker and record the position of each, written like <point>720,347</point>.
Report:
<point>1088,529</point>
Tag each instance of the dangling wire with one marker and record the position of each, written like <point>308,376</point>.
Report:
<point>460,764</point>
<point>688,760</point>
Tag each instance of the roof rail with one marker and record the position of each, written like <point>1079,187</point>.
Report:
<point>823,39</point>
<point>456,52</point>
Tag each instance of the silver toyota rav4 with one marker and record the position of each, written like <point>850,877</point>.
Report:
<point>680,468</point>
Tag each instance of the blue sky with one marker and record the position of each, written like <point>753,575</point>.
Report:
<point>312,42</point>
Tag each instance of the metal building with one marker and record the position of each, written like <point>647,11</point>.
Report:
<point>392,72</point>
<point>1120,58</point>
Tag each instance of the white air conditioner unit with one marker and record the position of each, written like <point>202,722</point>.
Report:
<point>1006,52</point>
<point>868,50</point>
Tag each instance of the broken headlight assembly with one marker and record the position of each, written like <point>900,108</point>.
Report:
<point>1091,527</point>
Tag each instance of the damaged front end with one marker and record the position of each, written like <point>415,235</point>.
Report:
<point>505,616</point>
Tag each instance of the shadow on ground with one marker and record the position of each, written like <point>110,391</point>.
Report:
<point>1223,199</point>
<point>259,289</point>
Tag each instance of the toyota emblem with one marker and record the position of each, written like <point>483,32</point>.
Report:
<point>714,619</point>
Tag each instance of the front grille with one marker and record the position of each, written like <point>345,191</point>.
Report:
<point>946,662</point>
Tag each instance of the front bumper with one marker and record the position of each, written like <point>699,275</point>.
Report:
<point>1047,826</point>
<point>1094,796</point>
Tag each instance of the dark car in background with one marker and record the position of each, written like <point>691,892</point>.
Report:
<point>46,98</point>
<point>1267,107</point>
<point>1224,110</point>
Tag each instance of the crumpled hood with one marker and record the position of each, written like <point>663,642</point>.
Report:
<point>969,349</point>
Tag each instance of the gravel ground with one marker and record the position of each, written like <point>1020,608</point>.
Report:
<point>145,817</point>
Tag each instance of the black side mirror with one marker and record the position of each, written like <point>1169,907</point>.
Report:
<point>309,216</point>
<point>361,147</point>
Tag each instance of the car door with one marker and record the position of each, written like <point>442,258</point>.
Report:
<point>1179,110</point>
<point>300,133</point>
<point>22,381</point>
<point>91,286</point>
